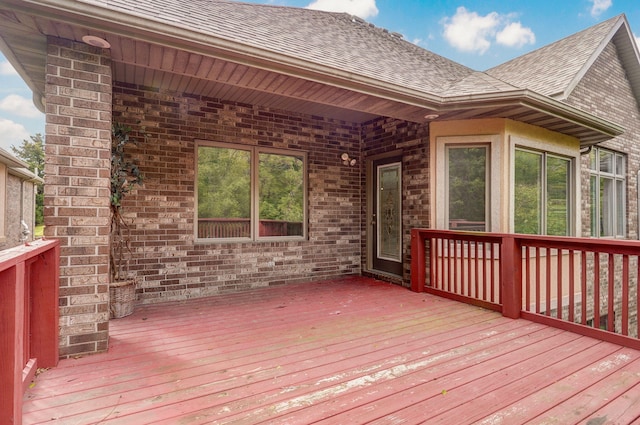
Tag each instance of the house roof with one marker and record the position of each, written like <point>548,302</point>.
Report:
<point>18,167</point>
<point>555,70</point>
<point>323,63</point>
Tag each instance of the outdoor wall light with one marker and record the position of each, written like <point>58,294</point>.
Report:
<point>346,160</point>
<point>92,40</point>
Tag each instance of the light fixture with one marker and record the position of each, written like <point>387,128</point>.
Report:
<point>431,116</point>
<point>92,40</point>
<point>346,160</point>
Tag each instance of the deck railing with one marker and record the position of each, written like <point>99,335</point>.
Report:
<point>29,278</point>
<point>222,228</point>
<point>588,286</point>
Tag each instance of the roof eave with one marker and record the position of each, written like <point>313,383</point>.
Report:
<point>602,129</point>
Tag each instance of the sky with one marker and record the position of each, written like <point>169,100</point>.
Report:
<point>477,33</point>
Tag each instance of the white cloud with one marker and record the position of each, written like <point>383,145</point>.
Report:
<point>470,32</point>
<point>600,6</point>
<point>19,106</point>
<point>515,35</point>
<point>7,69</point>
<point>11,134</point>
<point>637,40</point>
<point>362,8</point>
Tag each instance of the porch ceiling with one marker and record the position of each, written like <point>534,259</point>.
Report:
<point>196,66</point>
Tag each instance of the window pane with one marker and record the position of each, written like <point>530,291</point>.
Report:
<point>558,179</point>
<point>594,202</point>
<point>606,206</point>
<point>620,208</point>
<point>593,160</point>
<point>281,180</point>
<point>620,171</point>
<point>606,161</point>
<point>224,192</point>
<point>467,188</point>
<point>528,192</point>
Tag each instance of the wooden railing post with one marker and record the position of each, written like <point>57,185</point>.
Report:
<point>12,292</point>
<point>511,277</point>
<point>418,264</point>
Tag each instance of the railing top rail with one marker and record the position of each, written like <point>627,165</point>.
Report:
<point>11,256</point>
<point>615,246</point>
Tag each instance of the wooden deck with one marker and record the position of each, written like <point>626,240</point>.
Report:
<point>346,351</point>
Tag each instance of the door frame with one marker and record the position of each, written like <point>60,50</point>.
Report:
<point>370,207</point>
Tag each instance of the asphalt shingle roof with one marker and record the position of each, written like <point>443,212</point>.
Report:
<point>551,69</point>
<point>337,40</point>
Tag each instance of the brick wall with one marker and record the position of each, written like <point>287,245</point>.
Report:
<point>166,259</point>
<point>387,135</point>
<point>78,135</point>
<point>605,91</point>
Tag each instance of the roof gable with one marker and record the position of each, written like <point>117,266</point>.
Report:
<point>555,70</point>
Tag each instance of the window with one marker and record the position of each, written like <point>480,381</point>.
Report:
<point>467,187</point>
<point>607,193</point>
<point>542,195</point>
<point>250,193</point>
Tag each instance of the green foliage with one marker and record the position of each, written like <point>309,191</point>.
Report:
<point>281,188</point>
<point>529,207</point>
<point>224,185</point>
<point>467,183</point>
<point>125,176</point>
<point>32,152</point>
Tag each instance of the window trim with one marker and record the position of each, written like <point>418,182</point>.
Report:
<point>254,219</point>
<point>616,178</point>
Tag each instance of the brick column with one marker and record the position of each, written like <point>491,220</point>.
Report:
<point>77,161</point>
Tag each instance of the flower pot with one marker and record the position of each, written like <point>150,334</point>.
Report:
<point>122,297</point>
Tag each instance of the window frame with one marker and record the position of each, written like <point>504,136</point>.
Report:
<point>487,176</point>
<point>571,186</point>
<point>254,165</point>
<point>439,174</point>
<point>618,205</point>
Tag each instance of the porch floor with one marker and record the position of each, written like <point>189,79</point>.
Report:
<point>346,351</point>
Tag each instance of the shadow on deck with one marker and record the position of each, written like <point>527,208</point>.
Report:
<point>346,351</point>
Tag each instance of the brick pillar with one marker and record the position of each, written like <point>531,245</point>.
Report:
<point>77,162</point>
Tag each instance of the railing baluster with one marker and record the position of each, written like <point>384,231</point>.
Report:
<point>548,283</point>
<point>625,295</point>
<point>571,317</point>
<point>596,290</point>
<point>559,294</point>
<point>538,280</point>
<point>610,298</point>
<point>583,287</point>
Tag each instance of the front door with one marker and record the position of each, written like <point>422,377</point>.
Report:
<point>386,220</point>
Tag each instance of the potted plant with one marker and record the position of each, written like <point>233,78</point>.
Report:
<point>125,176</point>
